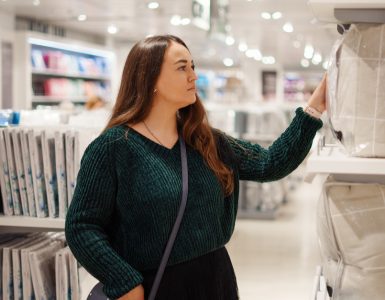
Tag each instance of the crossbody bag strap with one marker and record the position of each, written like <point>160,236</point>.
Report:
<point>170,243</point>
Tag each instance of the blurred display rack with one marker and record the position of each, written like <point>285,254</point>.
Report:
<point>25,74</point>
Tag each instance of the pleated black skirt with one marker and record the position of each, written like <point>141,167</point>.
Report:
<point>208,277</point>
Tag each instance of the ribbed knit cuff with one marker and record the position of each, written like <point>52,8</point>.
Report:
<point>308,121</point>
<point>122,284</point>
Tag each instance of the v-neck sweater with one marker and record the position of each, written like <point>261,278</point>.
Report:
<point>129,189</point>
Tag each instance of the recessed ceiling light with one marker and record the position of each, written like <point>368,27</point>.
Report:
<point>305,63</point>
<point>185,21</point>
<point>228,62</point>
<point>175,20</point>
<point>277,15</point>
<point>308,52</point>
<point>254,53</point>
<point>288,27</point>
<point>36,2</point>
<point>266,15</point>
<point>242,47</point>
<point>230,41</point>
<point>325,64</point>
<point>268,60</point>
<point>82,17</point>
<point>112,29</point>
<point>153,5</point>
<point>317,58</point>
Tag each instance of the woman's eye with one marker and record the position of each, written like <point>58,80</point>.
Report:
<point>193,67</point>
<point>182,68</point>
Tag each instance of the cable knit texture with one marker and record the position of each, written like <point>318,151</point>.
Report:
<point>129,189</point>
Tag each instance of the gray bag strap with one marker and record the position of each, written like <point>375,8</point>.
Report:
<point>170,243</point>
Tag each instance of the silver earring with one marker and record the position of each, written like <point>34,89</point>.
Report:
<point>155,90</point>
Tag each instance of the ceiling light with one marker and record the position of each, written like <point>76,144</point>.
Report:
<point>228,62</point>
<point>153,5</point>
<point>254,53</point>
<point>277,15</point>
<point>268,60</point>
<point>36,2</point>
<point>308,52</point>
<point>266,15</point>
<point>325,64</point>
<point>82,17</point>
<point>317,58</point>
<point>175,20</point>
<point>185,21</point>
<point>112,29</point>
<point>305,63</point>
<point>242,47</point>
<point>288,27</point>
<point>230,41</point>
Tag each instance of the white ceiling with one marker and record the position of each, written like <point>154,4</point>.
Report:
<point>135,21</point>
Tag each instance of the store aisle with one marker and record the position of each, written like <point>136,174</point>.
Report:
<point>276,260</point>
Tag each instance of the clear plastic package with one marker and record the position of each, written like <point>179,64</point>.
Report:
<point>356,92</point>
<point>351,231</point>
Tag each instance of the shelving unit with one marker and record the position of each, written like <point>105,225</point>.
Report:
<point>52,70</point>
<point>332,160</point>
<point>25,224</point>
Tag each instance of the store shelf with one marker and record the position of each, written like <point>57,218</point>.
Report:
<point>54,73</point>
<point>20,223</point>
<point>332,161</point>
<point>50,99</point>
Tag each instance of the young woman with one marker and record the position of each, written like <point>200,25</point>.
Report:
<point>129,185</point>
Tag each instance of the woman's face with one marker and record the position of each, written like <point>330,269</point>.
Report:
<point>176,82</point>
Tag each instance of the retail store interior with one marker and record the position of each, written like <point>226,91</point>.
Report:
<point>256,62</point>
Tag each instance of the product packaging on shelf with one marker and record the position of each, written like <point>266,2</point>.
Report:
<point>356,98</point>
<point>351,230</point>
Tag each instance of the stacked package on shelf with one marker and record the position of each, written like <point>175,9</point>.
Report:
<point>39,266</point>
<point>356,91</point>
<point>38,168</point>
<point>351,214</point>
<point>351,228</point>
<point>263,127</point>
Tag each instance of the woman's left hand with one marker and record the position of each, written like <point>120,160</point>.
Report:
<point>318,98</point>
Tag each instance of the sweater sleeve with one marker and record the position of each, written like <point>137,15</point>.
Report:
<point>282,157</point>
<point>88,216</point>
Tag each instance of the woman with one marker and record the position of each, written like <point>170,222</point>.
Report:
<point>129,184</point>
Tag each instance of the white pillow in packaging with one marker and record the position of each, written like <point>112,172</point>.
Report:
<point>351,226</point>
<point>357,91</point>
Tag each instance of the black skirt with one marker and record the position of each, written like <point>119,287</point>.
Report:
<point>208,277</point>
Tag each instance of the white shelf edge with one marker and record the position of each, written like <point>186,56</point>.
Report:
<point>70,75</point>
<point>50,99</point>
<point>55,224</point>
<point>333,161</point>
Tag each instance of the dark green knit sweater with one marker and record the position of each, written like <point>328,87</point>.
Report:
<point>128,193</point>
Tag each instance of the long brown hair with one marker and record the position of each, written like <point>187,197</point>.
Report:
<point>135,97</point>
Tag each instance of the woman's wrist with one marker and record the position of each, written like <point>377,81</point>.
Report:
<point>312,111</point>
